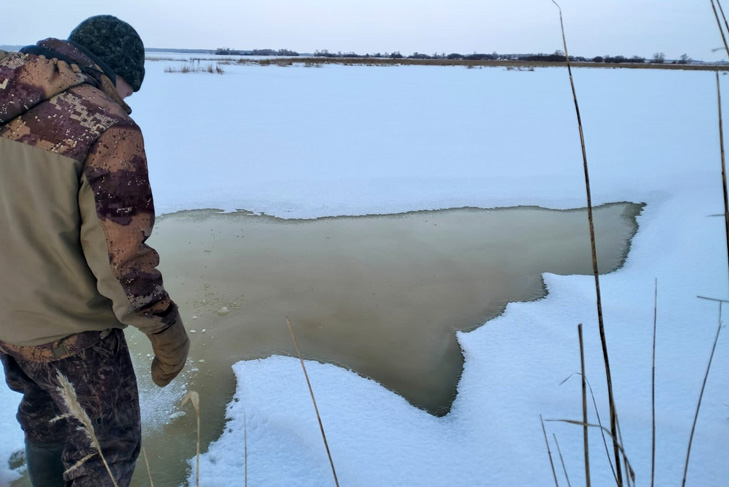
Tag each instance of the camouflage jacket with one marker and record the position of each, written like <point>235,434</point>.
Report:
<point>75,204</point>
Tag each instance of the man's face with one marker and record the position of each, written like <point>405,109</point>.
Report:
<point>122,88</point>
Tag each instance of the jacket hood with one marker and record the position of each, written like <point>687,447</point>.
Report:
<point>50,67</point>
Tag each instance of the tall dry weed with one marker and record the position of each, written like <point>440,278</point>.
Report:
<point>593,248</point>
<point>194,398</point>
<point>76,411</point>
<point>149,472</point>
<point>313,399</point>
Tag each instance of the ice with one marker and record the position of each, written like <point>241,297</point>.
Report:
<point>298,142</point>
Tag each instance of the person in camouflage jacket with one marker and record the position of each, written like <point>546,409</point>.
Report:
<point>75,212</point>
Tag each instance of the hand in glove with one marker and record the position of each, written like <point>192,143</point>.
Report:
<point>170,348</point>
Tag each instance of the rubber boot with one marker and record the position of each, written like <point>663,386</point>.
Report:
<point>45,467</point>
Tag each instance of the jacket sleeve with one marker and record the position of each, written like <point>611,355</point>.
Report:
<point>117,212</point>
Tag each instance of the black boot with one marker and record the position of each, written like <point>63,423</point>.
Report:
<point>45,467</point>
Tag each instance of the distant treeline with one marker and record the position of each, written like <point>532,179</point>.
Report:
<point>555,57</point>
<point>225,51</point>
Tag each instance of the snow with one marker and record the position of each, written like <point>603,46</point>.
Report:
<point>300,142</point>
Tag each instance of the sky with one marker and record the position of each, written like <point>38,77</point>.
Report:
<point>596,27</point>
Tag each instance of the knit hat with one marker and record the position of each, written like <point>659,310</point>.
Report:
<point>114,42</point>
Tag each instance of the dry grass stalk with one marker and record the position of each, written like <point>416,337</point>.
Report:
<point>653,388</point>
<point>585,434</point>
<point>193,66</point>
<point>628,468</point>
<point>194,398</point>
<point>726,24</point>
<point>721,123</point>
<point>601,324</point>
<point>716,14</point>
<point>602,431</point>
<point>68,393</point>
<point>549,451</point>
<point>723,165</point>
<point>721,10</point>
<point>599,422</point>
<point>701,396</point>
<point>561,459</point>
<point>149,472</point>
<point>80,462</point>
<point>313,399</point>
<point>713,299</point>
<point>602,428</point>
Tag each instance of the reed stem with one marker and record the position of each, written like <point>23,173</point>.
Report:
<point>653,388</point>
<point>561,459</point>
<point>313,399</point>
<point>723,37</point>
<point>68,393</point>
<point>726,24</point>
<point>723,165</point>
<point>149,472</point>
<point>701,396</point>
<point>194,398</point>
<point>601,324</point>
<point>585,434</point>
<point>549,452</point>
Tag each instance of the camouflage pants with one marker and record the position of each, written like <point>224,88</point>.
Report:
<point>106,387</point>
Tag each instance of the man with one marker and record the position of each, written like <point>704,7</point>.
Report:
<point>75,212</point>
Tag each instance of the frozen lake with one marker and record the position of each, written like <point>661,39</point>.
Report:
<point>302,142</point>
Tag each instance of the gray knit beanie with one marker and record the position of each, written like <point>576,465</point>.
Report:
<point>114,42</point>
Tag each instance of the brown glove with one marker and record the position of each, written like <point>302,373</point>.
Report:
<point>170,348</point>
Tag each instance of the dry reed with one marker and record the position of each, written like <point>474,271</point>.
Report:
<point>602,432</point>
<point>721,124</point>
<point>630,472</point>
<point>585,429</point>
<point>68,393</point>
<point>149,472</point>
<point>701,394</point>
<point>653,388</point>
<point>721,30</point>
<point>621,449</point>
<point>726,24</point>
<point>194,66</point>
<point>723,164</point>
<point>313,399</point>
<point>726,226</point>
<point>194,398</point>
<point>599,422</point>
<point>549,451</point>
<point>601,324</point>
<point>561,459</point>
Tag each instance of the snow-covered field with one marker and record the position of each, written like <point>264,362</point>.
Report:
<point>301,142</point>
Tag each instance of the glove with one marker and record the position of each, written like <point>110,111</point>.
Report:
<point>170,348</point>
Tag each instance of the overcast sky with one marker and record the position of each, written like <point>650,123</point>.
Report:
<point>594,27</point>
